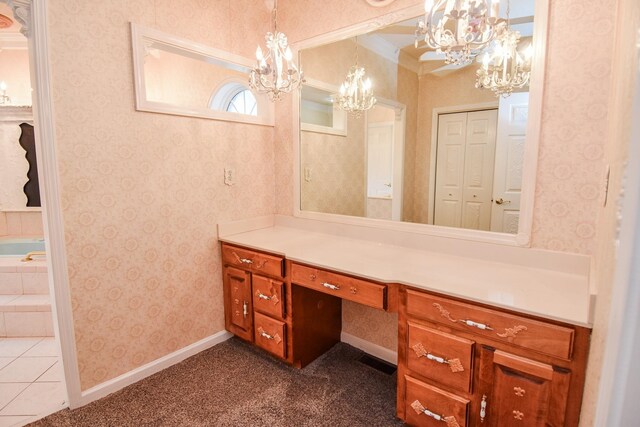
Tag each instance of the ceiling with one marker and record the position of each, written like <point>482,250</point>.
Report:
<point>11,38</point>
<point>399,38</point>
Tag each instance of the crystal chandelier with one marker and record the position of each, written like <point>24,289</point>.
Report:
<point>356,93</point>
<point>458,28</point>
<point>4,98</point>
<point>503,67</point>
<point>275,73</point>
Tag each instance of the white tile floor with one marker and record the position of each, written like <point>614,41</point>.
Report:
<point>30,380</point>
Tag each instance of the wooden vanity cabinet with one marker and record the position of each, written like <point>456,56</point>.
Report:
<point>254,301</point>
<point>260,302</point>
<point>496,367</point>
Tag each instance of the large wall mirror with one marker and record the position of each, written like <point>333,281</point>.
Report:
<point>435,152</point>
<point>178,76</point>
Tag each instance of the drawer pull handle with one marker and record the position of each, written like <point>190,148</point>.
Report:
<point>483,408</point>
<point>245,310</point>
<point>330,286</point>
<point>248,261</point>
<point>450,421</point>
<point>473,324</point>
<point>273,298</point>
<point>274,337</point>
<point>263,296</point>
<point>242,260</point>
<point>454,364</point>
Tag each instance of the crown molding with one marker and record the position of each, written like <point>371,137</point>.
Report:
<point>13,41</point>
<point>22,13</point>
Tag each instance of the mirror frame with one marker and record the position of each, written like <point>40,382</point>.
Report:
<point>139,33</point>
<point>530,162</point>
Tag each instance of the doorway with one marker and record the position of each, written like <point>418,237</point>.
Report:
<point>384,154</point>
<point>465,156</point>
<point>32,374</point>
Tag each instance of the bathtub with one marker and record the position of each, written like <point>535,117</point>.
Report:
<point>20,246</point>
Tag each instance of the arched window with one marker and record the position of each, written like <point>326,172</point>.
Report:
<point>234,97</point>
<point>243,102</point>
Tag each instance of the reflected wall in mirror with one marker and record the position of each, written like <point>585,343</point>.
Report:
<point>434,150</point>
<point>177,76</point>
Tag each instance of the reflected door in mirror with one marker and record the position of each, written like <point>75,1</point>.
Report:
<point>464,169</point>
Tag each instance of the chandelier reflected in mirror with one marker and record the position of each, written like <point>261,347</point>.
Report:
<point>4,98</point>
<point>276,72</point>
<point>504,68</point>
<point>356,92</point>
<point>458,28</point>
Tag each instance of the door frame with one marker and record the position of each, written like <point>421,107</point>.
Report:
<point>399,137</point>
<point>436,112</point>
<point>33,17</point>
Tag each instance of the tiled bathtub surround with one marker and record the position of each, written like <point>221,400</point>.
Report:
<point>25,307</point>
<point>21,223</point>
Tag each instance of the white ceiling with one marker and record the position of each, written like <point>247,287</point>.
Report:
<point>11,38</point>
<point>401,36</point>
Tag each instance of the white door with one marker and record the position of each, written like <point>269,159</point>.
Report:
<point>380,159</point>
<point>512,126</point>
<point>385,161</point>
<point>452,135</point>
<point>464,169</point>
<point>478,169</point>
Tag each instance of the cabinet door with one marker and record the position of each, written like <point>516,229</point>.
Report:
<point>517,391</point>
<point>238,306</point>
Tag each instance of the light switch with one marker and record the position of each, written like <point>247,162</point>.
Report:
<point>307,174</point>
<point>229,176</point>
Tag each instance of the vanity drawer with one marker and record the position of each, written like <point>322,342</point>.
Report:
<point>255,261</point>
<point>270,335</point>
<point>268,296</point>
<point>426,405</point>
<point>520,331</point>
<point>349,288</point>
<point>442,357</point>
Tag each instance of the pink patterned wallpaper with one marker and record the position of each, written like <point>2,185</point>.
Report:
<point>571,166</point>
<point>142,192</point>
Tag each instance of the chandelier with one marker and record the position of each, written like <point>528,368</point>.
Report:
<point>356,93</point>
<point>275,73</point>
<point>4,98</point>
<point>458,28</point>
<point>503,67</point>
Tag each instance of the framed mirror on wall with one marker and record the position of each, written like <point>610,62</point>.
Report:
<point>181,77</point>
<point>467,162</point>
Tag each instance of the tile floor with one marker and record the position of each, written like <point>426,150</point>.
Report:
<point>30,380</point>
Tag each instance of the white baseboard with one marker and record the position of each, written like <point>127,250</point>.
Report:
<point>370,348</point>
<point>120,382</point>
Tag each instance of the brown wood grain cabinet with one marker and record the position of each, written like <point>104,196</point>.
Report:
<point>512,369</point>
<point>460,363</point>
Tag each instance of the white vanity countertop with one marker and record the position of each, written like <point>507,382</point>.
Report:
<point>548,293</point>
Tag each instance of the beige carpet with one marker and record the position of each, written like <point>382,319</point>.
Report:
<point>234,384</point>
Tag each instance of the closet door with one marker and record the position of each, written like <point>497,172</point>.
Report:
<point>452,135</point>
<point>464,169</point>
<point>479,159</point>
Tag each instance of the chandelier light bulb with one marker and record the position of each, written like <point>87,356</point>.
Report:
<point>503,68</point>
<point>270,76</point>
<point>459,29</point>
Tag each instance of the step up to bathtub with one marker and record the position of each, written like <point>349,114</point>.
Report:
<point>18,278</point>
<point>25,316</point>
<point>25,307</point>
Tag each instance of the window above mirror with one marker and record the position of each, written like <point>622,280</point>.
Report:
<point>181,77</point>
